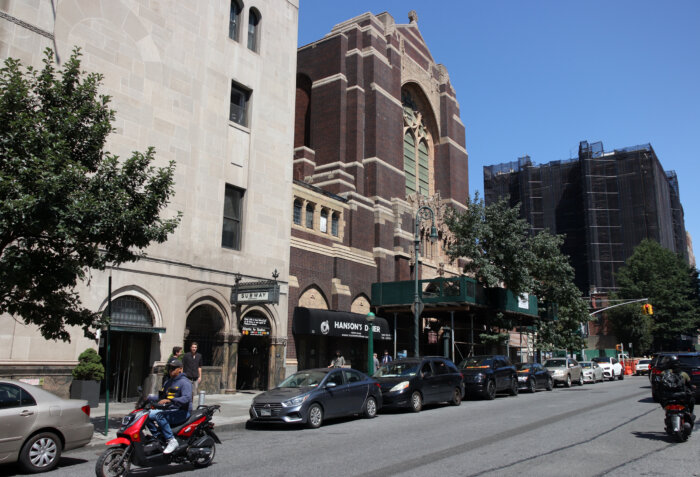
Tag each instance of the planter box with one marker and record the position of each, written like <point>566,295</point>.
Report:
<point>87,390</point>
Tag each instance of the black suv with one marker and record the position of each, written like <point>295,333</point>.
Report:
<point>412,382</point>
<point>690,363</point>
<point>488,374</point>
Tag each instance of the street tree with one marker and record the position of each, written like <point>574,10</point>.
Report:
<point>66,205</point>
<point>671,286</point>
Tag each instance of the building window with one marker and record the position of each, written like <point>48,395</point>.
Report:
<point>234,22</point>
<point>233,205</point>
<point>297,212</point>
<point>309,216</point>
<point>416,153</point>
<point>323,224</point>
<point>240,98</point>
<point>334,224</point>
<point>253,29</point>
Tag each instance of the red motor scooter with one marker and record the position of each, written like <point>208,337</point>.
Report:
<point>196,443</point>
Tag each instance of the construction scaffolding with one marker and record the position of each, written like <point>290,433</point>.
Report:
<point>605,203</point>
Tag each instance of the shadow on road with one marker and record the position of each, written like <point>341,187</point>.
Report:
<point>647,399</point>
<point>652,436</point>
<point>14,469</point>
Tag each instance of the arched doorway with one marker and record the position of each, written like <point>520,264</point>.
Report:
<point>254,352</point>
<point>205,326</point>
<point>131,336</point>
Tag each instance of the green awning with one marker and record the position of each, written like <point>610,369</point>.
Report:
<point>137,329</point>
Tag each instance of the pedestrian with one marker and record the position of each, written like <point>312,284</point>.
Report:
<point>338,361</point>
<point>192,367</point>
<point>376,362</point>
<point>176,354</point>
<point>387,357</point>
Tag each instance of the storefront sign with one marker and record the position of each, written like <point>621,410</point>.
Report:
<point>309,321</point>
<point>255,326</point>
<point>263,292</point>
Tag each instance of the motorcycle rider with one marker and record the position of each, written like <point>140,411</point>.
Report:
<point>673,365</point>
<point>176,394</point>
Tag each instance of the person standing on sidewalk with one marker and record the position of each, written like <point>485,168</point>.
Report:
<point>192,367</point>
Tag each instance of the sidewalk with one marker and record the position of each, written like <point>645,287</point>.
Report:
<point>232,415</point>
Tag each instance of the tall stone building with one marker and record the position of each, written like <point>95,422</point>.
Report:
<point>211,86</point>
<point>377,135</point>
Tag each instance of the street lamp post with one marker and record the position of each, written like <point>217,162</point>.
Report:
<point>423,213</point>
<point>370,344</point>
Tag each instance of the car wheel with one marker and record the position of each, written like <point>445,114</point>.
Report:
<point>580,380</point>
<point>568,381</point>
<point>106,465</point>
<point>490,393</point>
<point>550,384</point>
<point>621,376</point>
<point>41,452</point>
<point>531,385</point>
<point>370,409</point>
<point>513,391</point>
<point>416,402</point>
<point>456,397</point>
<point>315,416</point>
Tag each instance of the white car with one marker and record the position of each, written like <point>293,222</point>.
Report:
<point>592,372</point>
<point>611,367</point>
<point>642,367</point>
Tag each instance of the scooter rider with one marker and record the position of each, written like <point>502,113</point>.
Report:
<point>673,365</point>
<point>176,394</point>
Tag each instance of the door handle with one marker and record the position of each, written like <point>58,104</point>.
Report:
<point>26,413</point>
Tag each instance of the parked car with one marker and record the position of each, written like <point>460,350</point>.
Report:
<point>642,367</point>
<point>611,367</point>
<point>533,376</point>
<point>488,374</point>
<point>689,362</point>
<point>565,371</point>
<point>36,426</point>
<point>314,395</point>
<point>413,382</point>
<point>654,365</point>
<point>592,372</point>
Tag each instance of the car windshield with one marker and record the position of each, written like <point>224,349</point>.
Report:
<point>477,362</point>
<point>689,360</point>
<point>523,367</point>
<point>303,379</point>
<point>584,364</point>
<point>555,363</point>
<point>397,368</point>
<point>644,361</point>
<point>602,359</point>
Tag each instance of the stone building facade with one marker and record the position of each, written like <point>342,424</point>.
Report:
<point>211,86</point>
<point>377,134</point>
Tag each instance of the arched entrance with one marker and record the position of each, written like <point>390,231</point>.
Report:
<point>205,326</point>
<point>254,352</point>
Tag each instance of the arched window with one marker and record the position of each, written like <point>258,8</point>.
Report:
<point>323,224</point>
<point>309,216</point>
<point>253,30</point>
<point>416,151</point>
<point>234,22</point>
<point>335,219</point>
<point>131,311</point>
<point>297,212</point>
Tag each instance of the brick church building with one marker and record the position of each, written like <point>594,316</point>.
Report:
<point>377,135</point>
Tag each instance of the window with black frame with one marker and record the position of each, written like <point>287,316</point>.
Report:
<point>240,99</point>
<point>253,29</point>
<point>233,206</point>
<point>234,22</point>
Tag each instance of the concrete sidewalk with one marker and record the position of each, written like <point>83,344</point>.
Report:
<point>233,414</point>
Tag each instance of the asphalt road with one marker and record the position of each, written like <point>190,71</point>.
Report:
<point>611,428</point>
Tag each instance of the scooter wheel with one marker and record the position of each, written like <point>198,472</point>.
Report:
<point>108,463</point>
<point>206,460</point>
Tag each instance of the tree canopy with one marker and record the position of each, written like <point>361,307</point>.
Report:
<point>672,287</point>
<point>500,251</point>
<point>67,206</point>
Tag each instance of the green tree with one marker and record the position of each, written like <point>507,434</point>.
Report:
<point>501,252</point>
<point>629,325</point>
<point>671,286</point>
<point>67,206</point>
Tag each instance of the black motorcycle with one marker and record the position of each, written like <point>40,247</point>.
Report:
<point>196,443</point>
<point>679,421</point>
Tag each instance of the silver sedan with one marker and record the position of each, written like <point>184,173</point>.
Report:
<point>592,372</point>
<point>36,426</point>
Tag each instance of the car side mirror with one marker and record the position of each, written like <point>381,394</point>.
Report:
<point>331,385</point>
<point>571,365</point>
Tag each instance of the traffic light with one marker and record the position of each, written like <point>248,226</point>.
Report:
<point>618,347</point>
<point>647,309</point>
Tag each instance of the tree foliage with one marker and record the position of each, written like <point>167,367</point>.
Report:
<point>66,206</point>
<point>500,251</point>
<point>671,286</point>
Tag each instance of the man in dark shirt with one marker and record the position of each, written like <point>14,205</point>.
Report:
<point>192,363</point>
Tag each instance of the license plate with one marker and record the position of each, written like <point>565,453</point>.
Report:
<point>265,412</point>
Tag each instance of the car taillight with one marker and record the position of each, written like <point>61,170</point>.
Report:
<point>378,385</point>
<point>655,371</point>
<point>86,410</point>
<point>695,373</point>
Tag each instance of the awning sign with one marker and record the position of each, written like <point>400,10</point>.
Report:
<point>308,321</point>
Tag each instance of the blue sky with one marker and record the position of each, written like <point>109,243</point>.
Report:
<point>538,77</point>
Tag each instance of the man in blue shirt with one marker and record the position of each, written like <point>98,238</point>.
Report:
<point>176,394</point>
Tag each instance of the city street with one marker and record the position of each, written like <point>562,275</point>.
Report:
<point>611,428</point>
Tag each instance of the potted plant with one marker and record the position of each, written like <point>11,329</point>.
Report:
<point>87,376</point>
